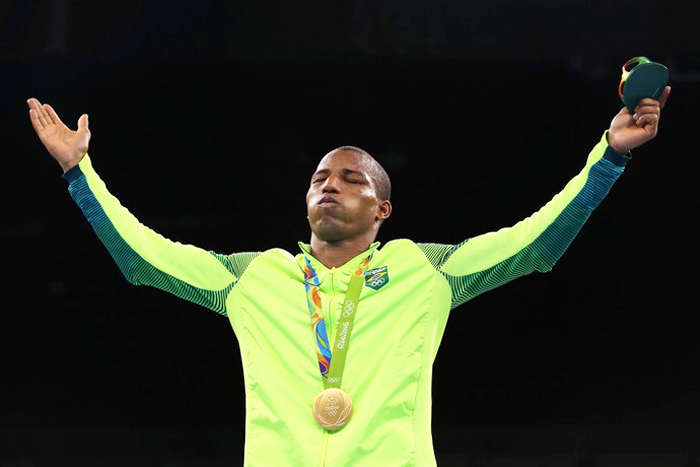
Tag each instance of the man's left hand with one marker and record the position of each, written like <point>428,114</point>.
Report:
<point>631,131</point>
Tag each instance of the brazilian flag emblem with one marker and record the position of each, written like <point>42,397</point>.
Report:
<point>377,278</point>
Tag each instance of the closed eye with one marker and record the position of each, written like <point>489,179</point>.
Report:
<point>360,182</point>
<point>349,176</point>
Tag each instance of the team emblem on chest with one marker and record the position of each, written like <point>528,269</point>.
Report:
<point>377,278</point>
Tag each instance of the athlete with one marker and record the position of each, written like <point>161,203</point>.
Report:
<point>338,340</point>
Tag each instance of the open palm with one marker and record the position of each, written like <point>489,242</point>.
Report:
<point>65,145</point>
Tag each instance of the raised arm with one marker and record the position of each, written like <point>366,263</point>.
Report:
<point>143,256</point>
<point>536,243</point>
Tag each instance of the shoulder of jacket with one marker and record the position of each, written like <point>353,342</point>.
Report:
<point>277,253</point>
<point>398,244</point>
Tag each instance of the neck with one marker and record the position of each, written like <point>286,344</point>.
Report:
<point>336,254</point>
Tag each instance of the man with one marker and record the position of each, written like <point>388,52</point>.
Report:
<point>365,400</point>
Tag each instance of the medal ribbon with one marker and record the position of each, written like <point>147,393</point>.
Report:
<point>333,374</point>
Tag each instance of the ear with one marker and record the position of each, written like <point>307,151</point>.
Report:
<point>383,210</point>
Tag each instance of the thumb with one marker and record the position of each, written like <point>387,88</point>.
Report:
<point>624,111</point>
<point>83,123</point>
<point>620,116</point>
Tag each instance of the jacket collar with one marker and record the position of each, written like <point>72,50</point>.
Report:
<point>320,267</point>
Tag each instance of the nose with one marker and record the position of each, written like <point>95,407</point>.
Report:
<point>330,185</point>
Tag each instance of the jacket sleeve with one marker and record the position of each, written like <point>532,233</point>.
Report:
<point>147,258</point>
<point>487,261</point>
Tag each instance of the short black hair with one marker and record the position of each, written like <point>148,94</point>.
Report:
<point>378,174</point>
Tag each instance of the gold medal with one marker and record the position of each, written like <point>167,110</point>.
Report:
<point>332,408</point>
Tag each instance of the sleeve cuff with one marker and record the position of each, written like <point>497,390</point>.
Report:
<point>618,159</point>
<point>73,174</point>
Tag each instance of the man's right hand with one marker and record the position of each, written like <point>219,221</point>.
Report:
<point>65,145</point>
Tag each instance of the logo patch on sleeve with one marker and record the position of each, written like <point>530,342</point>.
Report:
<point>377,278</point>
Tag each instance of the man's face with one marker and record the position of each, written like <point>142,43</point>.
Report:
<point>342,201</point>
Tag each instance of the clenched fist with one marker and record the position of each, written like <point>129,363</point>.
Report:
<point>629,131</point>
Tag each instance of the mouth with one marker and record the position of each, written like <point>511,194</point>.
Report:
<point>327,201</point>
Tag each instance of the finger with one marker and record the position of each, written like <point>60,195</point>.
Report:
<point>648,119</point>
<point>36,123</point>
<point>41,113</point>
<point>647,109</point>
<point>53,115</point>
<point>34,104</point>
<point>42,116</point>
<point>648,101</point>
<point>664,96</point>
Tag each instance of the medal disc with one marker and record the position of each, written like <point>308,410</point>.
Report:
<point>332,408</point>
<point>646,79</point>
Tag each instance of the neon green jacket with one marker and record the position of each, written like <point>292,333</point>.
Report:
<point>409,291</point>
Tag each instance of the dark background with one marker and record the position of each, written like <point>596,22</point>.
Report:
<point>207,121</point>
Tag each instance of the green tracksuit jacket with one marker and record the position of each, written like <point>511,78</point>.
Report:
<point>409,291</point>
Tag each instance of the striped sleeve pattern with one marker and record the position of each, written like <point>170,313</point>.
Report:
<point>536,243</point>
<point>147,258</point>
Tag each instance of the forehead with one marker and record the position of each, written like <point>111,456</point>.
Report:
<point>337,160</point>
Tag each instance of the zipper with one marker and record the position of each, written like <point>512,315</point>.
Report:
<point>330,329</point>
<point>326,436</point>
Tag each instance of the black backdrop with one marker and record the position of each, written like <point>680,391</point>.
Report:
<point>207,121</point>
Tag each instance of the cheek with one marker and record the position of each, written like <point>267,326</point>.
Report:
<point>367,205</point>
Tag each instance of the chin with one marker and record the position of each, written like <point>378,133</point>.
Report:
<point>326,227</point>
<point>329,231</point>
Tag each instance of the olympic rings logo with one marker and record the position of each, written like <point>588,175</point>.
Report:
<point>333,380</point>
<point>349,308</point>
<point>376,282</point>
